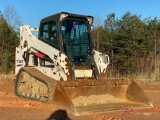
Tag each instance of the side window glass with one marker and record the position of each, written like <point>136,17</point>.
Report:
<point>53,34</point>
<point>45,30</point>
<point>49,33</point>
<point>53,30</point>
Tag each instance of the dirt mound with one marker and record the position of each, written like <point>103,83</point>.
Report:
<point>94,99</point>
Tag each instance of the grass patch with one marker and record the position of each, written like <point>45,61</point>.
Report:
<point>9,76</point>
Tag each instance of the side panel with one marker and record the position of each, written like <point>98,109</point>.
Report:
<point>19,61</point>
<point>102,61</point>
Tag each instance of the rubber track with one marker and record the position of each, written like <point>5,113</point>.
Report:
<point>33,72</point>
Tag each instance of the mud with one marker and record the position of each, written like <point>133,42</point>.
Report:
<point>15,108</point>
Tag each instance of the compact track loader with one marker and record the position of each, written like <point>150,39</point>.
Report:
<point>60,66</point>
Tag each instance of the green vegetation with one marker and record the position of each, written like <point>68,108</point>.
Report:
<point>8,42</point>
<point>132,44</point>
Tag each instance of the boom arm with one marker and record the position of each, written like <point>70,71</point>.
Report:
<point>29,44</point>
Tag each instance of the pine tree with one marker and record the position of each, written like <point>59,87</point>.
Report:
<point>8,42</point>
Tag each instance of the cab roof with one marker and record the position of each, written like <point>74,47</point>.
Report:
<point>57,17</point>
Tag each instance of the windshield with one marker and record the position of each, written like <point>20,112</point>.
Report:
<point>77,40</point>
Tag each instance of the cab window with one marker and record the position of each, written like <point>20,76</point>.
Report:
<point>49,33</point>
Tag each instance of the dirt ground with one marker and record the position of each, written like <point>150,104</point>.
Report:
<point>15,108</point>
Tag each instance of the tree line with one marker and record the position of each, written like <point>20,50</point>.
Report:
<point>133,45</point>
<point>9,38</point>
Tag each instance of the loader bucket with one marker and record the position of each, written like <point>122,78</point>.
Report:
<point>99,96</point>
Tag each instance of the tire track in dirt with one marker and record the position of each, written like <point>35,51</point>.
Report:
<point>103,117</point>
<point>11,100</point>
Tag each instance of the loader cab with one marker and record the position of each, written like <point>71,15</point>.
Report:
<point>69,33</point>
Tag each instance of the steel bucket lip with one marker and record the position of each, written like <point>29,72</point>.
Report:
<point>94,82</point>
<point>108,108</point>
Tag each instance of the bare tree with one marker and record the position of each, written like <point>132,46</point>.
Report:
<point>98,21</point>
<point>11,16</point>
<point>97,32</point>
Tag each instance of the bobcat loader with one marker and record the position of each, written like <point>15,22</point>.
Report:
<point>60,66</point>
